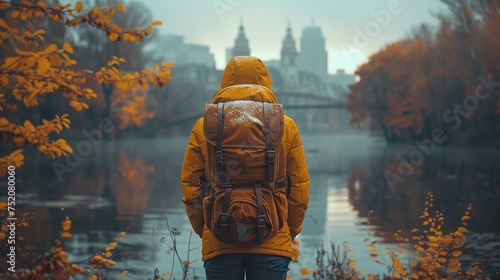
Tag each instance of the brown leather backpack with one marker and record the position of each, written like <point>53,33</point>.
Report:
<point>246,171</point>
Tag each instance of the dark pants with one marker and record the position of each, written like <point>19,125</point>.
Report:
<point>256,267</point>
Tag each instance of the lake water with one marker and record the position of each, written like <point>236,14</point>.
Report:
<point>133,186</point>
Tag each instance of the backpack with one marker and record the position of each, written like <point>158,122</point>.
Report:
<point>246,170</point>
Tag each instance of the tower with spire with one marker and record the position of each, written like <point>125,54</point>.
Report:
<point>241,43</point>
<point>289,55</point>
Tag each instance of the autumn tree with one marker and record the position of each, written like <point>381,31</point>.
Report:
<point>33,69</point>
<point>436,79</point>
<point>126,107</point>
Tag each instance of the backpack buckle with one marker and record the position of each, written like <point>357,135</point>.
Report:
<point>223,219</point>
<point>271,155</point>
<point>219,158</point>
<point>261,221</point>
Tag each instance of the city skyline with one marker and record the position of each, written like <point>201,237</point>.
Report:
<point>353,30</point>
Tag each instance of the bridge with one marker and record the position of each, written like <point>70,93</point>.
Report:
<point>304,102</point>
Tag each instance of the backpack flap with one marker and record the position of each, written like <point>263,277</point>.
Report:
<point>248,138</point>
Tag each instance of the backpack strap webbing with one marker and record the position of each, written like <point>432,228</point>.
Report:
<point>223,220</point>
<point>219,157</point>
<point>270,154</point>
<point>261,219</point>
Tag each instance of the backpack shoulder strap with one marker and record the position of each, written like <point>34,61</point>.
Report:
<point>210,122</point>
<point>219,157</point>
<point>270,153</point>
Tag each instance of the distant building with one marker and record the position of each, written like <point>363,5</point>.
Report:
<point>287,73</point>
<point>273,63</point>
<point>199,54</point>
<point>313,56</point>
<point>229,54</point>
<point>289,68</point>
<point>341,82</point>
<point>173,48</point>
<point>241,43</point>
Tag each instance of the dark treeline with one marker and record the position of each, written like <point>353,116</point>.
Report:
<point>440,83</point>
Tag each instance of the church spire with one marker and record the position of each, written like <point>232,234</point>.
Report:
<point>288,50</point>
<point>289,70</point>
<point>241,42</point>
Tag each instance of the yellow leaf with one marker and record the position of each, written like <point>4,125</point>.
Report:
<point>432,238</point>
<point>3,122</point>
<point>453,262</point>
<point>28,125</point>
<point>123,273</point>
<point>65,147</point>
<point>43,65</point>
<point>67,47</point>
<point>108,254</point>
<point>15,13</point>
<point>453,269</point>
<point>373,255</point>
<point>75,104</point>
<point>128,77</point>
<point>66,224</point>
<point>432,244</point>
<point>4,4</point>
<point>78,6</point>
<point>2,22</point>
<point>113,244</point>
<point>447,239</point>
<point>156,22</point>
<point>121,7</point>
<point>96,10</point>
<point>463,230</point>
<point>66,234</point>
<point>122,233</point>
<point>304,271</point>
<point>456,254</point>
<point>113,37</point>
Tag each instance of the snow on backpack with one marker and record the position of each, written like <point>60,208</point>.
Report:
<point>246,170</point>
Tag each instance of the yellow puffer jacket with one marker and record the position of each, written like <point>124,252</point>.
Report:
<point>246,70</point>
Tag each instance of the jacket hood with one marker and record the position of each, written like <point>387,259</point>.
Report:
<point>245,78</point>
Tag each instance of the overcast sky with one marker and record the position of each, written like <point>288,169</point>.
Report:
<point>353,29</point>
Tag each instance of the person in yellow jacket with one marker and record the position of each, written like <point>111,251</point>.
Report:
<point>270,259</point>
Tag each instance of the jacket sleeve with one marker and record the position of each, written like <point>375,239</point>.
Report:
<point>299,194</point>
<point>192,167</point>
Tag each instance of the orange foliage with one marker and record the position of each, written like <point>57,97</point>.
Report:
<point>405,89</point>
<point>435,255</point>
<point>35,70</point>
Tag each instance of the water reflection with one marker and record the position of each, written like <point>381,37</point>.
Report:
<point>456,177</point>
<point>130,185</point>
